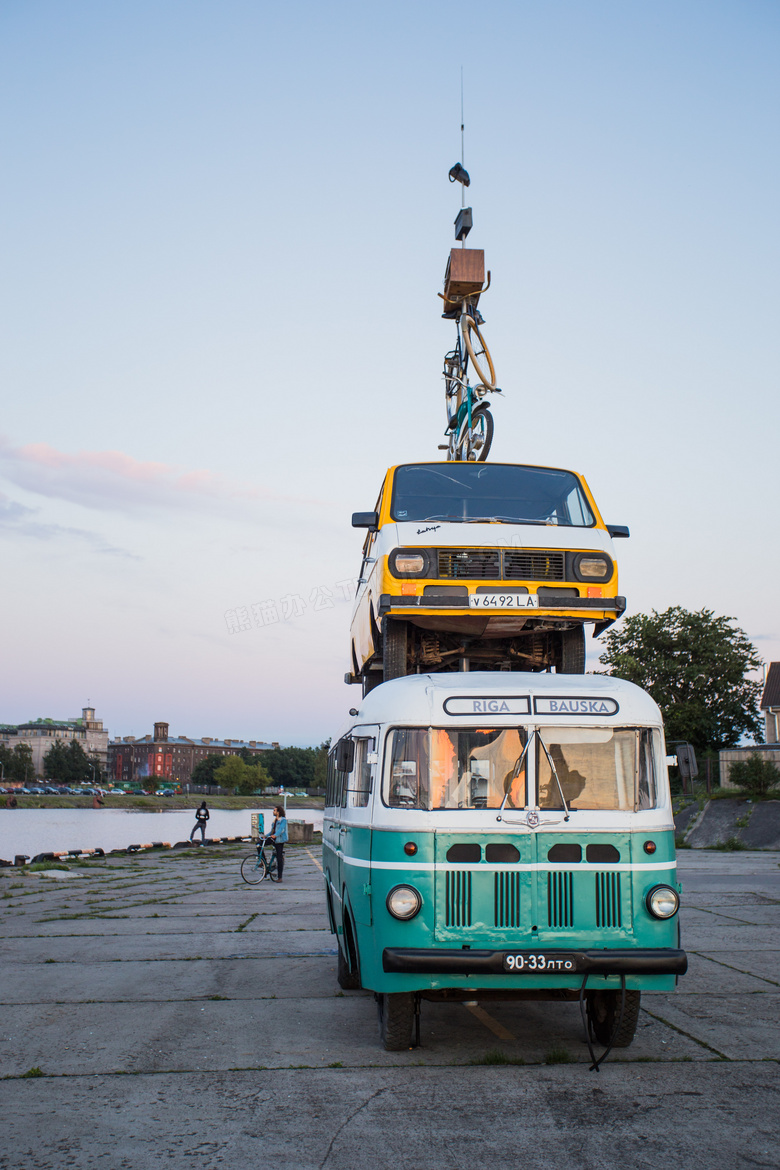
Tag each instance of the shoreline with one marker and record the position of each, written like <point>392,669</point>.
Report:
<point>167,803</point>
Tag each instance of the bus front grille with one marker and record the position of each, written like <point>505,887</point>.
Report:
<point>457,895</point>
<point>507,899</point>
<point>608,910</point>
<point>560,899</point>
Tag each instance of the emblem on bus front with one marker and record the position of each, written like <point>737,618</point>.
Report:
<point>532,820</point>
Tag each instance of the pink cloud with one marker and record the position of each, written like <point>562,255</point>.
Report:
<point>113,479</point>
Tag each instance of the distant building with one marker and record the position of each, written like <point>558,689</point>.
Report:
<point>165,758</point>
<point>770,749</point>
<point>40,734</point>
<point>770,704</point>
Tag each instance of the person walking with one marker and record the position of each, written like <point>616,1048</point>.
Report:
<point>278,835</point>
<point>201,816</point>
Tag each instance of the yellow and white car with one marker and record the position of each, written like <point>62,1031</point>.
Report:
<point>481,566</point>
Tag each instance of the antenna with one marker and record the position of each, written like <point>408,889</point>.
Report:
<point>462,140</point>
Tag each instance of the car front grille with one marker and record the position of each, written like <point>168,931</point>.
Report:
<point>469,562</point>
<point>534,565</point>
<point>494,565</point>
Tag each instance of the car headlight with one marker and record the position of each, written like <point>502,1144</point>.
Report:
<point>662,902</point>
<point>593,567</point>
<point>404,902</point>
<point>409,562</point>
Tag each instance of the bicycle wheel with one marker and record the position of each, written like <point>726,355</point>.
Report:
<point>473,446</point>
<point>253,869</point>
<point>479,353</point>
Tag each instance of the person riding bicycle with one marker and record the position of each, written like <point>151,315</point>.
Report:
<point>278,835</point>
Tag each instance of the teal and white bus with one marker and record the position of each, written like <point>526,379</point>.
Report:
<point>500,836</point>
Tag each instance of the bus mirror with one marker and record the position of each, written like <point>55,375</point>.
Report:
<point>686,761</point>
<point>369,520</point>
<point>345,755</point>
<point>616,530</point>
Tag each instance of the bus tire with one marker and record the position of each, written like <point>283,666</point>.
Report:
<point>603,1013</point>
<point>348,973</point>
<point>349,980</point>
<point>572,651</point>
<point>396,1020</point>
<point>394,634</point>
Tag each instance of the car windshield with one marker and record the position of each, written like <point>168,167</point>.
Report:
<point>489,491</point>
<point>437,768</point>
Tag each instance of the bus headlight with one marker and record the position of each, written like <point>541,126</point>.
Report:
<point>410,562</point>
<point>404,902</point>
<point>662,902</point>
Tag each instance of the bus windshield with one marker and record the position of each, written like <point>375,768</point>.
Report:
<point>598,768</point>
<point>434,768</point>
<point>446,768</point>
<point>489,491</point>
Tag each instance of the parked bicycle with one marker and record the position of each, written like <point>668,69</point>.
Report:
<point>260,865</point>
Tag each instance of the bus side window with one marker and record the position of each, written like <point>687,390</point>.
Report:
<point>330,783</point>
<point>360,784</point>
<point>647,792</point>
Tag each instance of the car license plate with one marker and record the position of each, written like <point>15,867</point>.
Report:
<point>534,962</point>
<point>503,601</point>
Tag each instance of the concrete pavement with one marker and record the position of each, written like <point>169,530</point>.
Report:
<point>222,1000</point>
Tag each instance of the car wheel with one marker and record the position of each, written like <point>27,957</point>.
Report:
<point>394,637</point>
<point>571,658</point>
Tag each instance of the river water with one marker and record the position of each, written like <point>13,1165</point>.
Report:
<point>51,830</point>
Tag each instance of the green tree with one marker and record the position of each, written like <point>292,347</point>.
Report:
<point>233,772</point>
<point>296,767</point>
<point>695,665</point>
<point>56,763</point>
<point>203,772</point>
<point>755,775</point>
<point>17,763</point>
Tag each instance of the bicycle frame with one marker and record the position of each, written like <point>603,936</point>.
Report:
<point>460,425</point>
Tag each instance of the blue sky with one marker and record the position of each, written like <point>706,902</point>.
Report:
<point>223,231</point>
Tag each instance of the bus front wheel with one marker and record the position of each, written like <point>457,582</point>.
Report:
<point>604,1012</point>
<point>396,1020</point>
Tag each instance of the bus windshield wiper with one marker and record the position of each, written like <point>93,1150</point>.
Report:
<point>554,771</point>
<point>519,767</point>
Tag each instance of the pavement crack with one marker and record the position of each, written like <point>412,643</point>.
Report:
<point>689,1035</point>
<point>347,1121</point>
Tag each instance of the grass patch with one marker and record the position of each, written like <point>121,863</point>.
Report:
<point>50,960</point>
<point>732,845</point>
<point>496,1056</point>
<point>558,1056</point>
<point>213,997</point>
<point>243,925</point>
<point>41,866</point>
<point>335,1064</point>
<point>32,1072</point>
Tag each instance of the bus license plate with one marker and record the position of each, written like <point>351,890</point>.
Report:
<point>503,601</point>
<point>533,962</point>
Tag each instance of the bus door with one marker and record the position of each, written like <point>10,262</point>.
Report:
<point>355,829</point>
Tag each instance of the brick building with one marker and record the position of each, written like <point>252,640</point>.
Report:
<point>40,734</point>
<point>170,758</point>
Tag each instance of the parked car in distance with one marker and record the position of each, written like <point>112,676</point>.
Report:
<point>481,566</point>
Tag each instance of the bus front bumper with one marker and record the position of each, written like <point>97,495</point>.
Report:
<point>543,961</point>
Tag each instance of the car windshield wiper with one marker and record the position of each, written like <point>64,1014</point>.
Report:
<point>506,520</point>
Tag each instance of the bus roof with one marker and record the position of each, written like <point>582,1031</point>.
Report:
<point>500,697</point>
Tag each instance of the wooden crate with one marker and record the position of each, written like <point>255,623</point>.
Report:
<point>465,273</point>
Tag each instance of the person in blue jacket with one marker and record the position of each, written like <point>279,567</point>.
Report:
<point>278,835</point>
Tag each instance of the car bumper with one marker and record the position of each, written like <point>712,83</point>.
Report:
<point>436,961</point>
<point>560,606</point>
